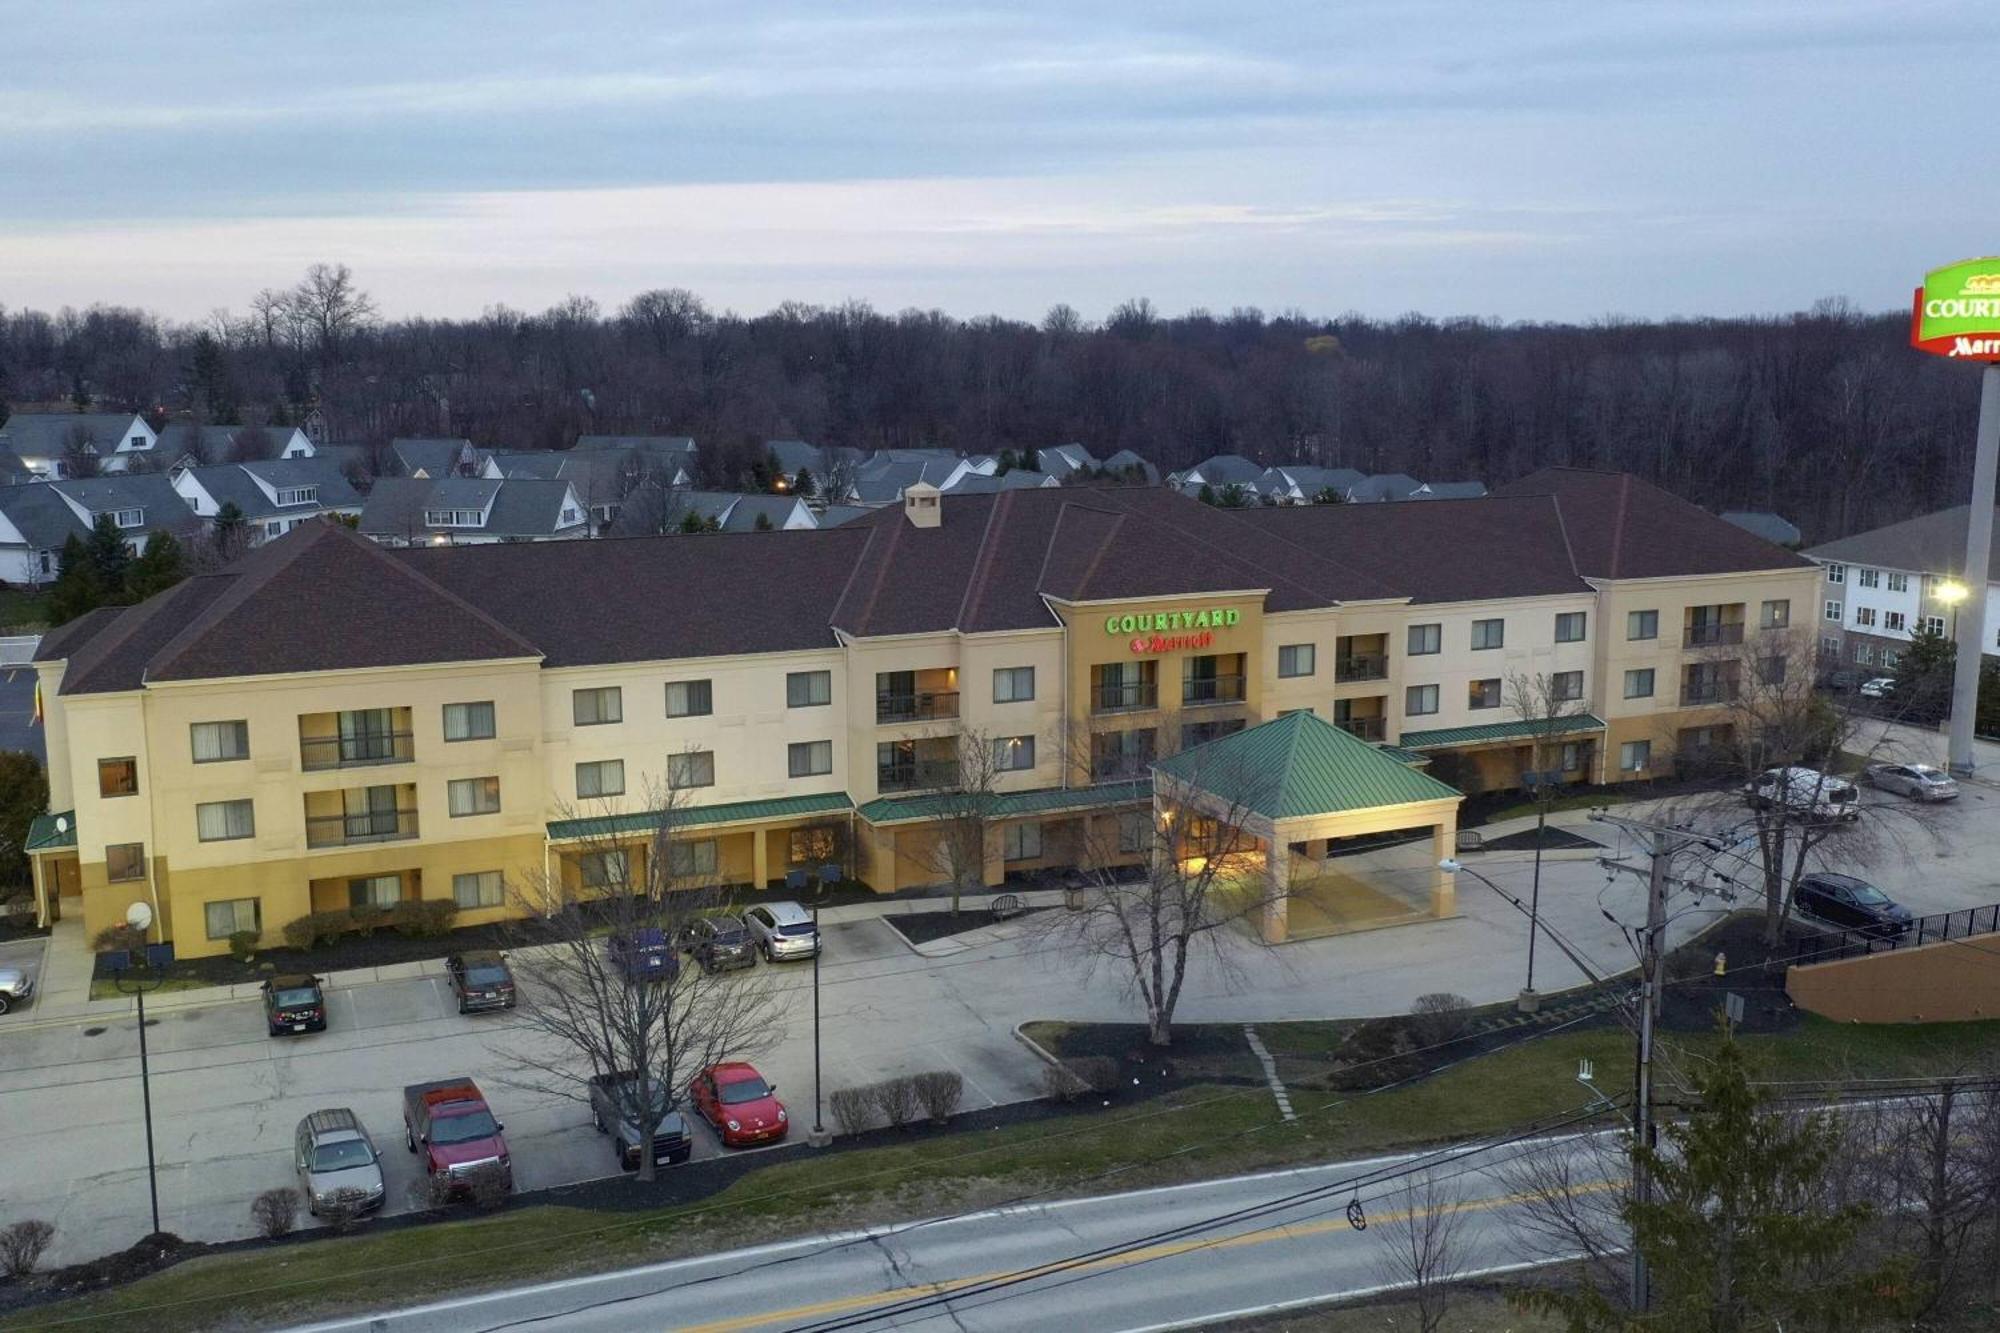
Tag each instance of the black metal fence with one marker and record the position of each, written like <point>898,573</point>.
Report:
<point>1859,941</point>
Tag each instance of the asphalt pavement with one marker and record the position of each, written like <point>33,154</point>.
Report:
<point>1177,1257</point>
<point>18,728</point>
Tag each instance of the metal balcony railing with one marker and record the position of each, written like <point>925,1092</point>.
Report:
<point>1212,690</point>
<point>1367,728</point>
<point>922,706</point>
<point>916,777</point>
<point>377,747</point>
<point>1124,698</point>
<point>1712,635</point>
<point>367,826</point>
<point>1361,666</point>
<point>1707,692</point>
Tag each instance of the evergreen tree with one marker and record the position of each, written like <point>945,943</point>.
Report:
<point>1207,494</point>
<point>1326,495</point>
<point>1924,676</point>
<point>159,567</point>
<point>803,485</point>
<point>691,522</point>
<point>763,523</point>
<point>1007,463</point>
<point>24,793</point>
<point>1031,460</point>
<point>232,530</point>
<point>110,556</point>
<point>77,588</point>
<point>1233,497</point>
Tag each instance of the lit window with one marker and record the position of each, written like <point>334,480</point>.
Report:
<point>125,860</point>
<point>118,777</point>
<point>1776,614</point>
<point>1013,754</point>
<point>1484,694</point>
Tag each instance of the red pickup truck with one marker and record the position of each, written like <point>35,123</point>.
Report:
<point>455,1129</point>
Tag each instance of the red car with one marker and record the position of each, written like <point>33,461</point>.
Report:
<point>743,1108</point>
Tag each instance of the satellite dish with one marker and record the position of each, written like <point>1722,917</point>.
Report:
<point>139,916</point>
<point>62,824</point>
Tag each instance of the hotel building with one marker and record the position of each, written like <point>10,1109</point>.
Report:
<point>328,722</point>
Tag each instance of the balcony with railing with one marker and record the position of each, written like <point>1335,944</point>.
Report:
<point>930,695</point>
<point>1714,626</point>
<point>1124,687</point>
<point>1699,688</point>
<point>361,815</point>
<point>1360,657</point>
<point>916,765</point>
<point>358,738</point>
<point>1216,678</point>
<point>1373,729</point>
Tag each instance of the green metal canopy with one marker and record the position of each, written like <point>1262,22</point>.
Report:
<point>1525,730</point>
<point>693,816</point>
<point>1011,804</point>
<point>44,836</point>
<point>1301,765</point>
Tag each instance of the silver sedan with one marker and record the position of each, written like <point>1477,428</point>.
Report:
<point>15,987</point>
<point>1919,782</point>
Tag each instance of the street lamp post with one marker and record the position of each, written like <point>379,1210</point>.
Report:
<point>146,977</point>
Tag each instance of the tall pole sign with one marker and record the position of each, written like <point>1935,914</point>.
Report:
<point>1957,314</point>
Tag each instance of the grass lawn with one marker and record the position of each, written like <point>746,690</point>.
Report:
<point>23,610</point>
<point>1472,1309</point>
<point>1197,1132</point>
<point>104,988</point>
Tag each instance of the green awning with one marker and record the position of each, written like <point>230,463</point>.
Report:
<point>1402,756</point>
<point>1493,732</point>
<point>1301,765</point>
<point>43,835</point>
<point>1012,804</point>
<point>695,816</point>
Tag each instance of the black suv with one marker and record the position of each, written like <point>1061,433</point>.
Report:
<point>719,942</point>
<point>1843,900</point>
<point>294,1004</point>
<point>481,981</point>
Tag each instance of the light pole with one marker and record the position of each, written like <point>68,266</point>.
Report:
<point>1453,866</point>
<point>140,917</point>
<point>828,874</point>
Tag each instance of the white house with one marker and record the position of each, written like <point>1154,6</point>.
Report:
<point>40,439</point>
<point>1879,587</point>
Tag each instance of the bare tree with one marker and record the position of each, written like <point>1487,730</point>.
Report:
<point>330,307</point>
<point>654,1031</point>
<point>961,824</point>
<point>1427,1241</point>
<point>80,458</point>
<point>1570,1195</point>
<point>251,444</point>
<point>1932,1182</point>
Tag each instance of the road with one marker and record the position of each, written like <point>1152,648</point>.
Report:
<point>1177,1257</point>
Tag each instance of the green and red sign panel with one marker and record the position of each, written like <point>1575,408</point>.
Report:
<point>1957,311</point>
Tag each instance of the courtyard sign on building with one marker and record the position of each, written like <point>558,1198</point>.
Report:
<point>1172,631</point>
<point>1957,311</point>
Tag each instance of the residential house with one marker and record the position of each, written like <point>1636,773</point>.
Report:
<point>472,511</point>
<point>1383,486</point>
<point>274,496</point>
<point>40,439</point>
<point>435,458</point>
<point>1773,528</point>
<point>1217,472</point>
<point>1879,587</point>
<point>672,455</point>
<point>730,511</point>
<point>1127,465</point>
<point>36,520</point>
<point>1298,484</point>
<point>183,441</point>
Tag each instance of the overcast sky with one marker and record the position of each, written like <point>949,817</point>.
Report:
<point>1522,159</point>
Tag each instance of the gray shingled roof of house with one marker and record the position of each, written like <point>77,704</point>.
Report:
<point>882,482</point>
<point>1927,544</point>
<point>1449,490</point>
<point>777,508</point>
<point>45,522</point>
<point>1125,459</point>
<point>1763,523</point>
<point>231,483</point>
<point>12,470</point>
<point>45,434</point>
<point>528,507</point>
<point>1222,469</point>
<point>1383,486</point>
<point>647,444</point>
<point>834,515</point>
<point>434,457</point>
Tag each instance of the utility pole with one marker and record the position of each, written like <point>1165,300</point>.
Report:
<point>1971,638</point>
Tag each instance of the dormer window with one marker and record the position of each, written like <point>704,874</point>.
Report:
<point>454,518</point>
<point>136,442</point>
<point>298,495</point>
<point>129,518</point>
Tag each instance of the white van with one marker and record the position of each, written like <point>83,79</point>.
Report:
<point>1805,791</point>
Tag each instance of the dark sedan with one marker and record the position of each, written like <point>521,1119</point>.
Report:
<point>719,943</point>
<point>294,1004</point>
<point>1852,904</point>
<point>644,955</point>
<point>480,981</point>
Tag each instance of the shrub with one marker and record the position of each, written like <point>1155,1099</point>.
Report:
<point>1374,1053</point>
<point>243,944</point>
<point>852,1108</point>
<point>425,919</point>
<point>21,1246</point>
<point>1060,1083</point>
<point>896,1099</point>
<point>940,1091</point>
<point>1439,1017</point>
<point>488,1188</point>
<point>366,918</point>
<point>316,928</point>
<point>275,1212</point>
<point>120,936</point>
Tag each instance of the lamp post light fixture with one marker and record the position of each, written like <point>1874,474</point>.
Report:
<point>135,976</point>
<point>1951,592</point>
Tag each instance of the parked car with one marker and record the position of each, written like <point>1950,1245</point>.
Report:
<point>1919,782</point>
<point>719,942</point>
<point>450,1122</point>
<point>337,1164</point>
<point>1840,681</point>
<point>1881,687</point>
<point>614,1109</point>
<point>644,955</point>
<point>294,1004</point>
<point>782,930</point>
<point>1853,904</point>
<point>1805,791</point>
<point>15,987</point>
<point>481,981</point>
<point>743,1108</point>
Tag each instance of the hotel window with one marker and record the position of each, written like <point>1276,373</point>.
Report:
<point>1489,634</point>
<point>1833,612</point>
<point>808,689</point>
<point>1899,582</point>
<point>1864,654</point>
<point>1639,683</point>
<point>1870,578</point>
<point>1484,694</point>
<point>1122,754</point>
<point>468,722</point>
<point>690,698</point>
<point>811,846</point>
<point>1642,625</point>
<point>1893,620</point>
<point>1836,573</point>
<point>1934,624</point>
<point>603,870</point>
<point>1569,758</point>
<point>216,742</point>
<point>1566,686</point>
<point>1295,659</point>
<point>481,888</point>
<point>1426,639</point>
<point>1013,754</point>
<point>1771,670</point>
<point>806,759</point>
<point>1116,686</point>
<point>1889,658</point>
<point>219,821</point>
<point>118,777</point>
<point>1420,700</point>
<point>473,796</point>
<point>1135,832</point>
<point>1829,645</point>
<point>1570,626</point>
<point>1013,685</point>
<point>592,708</point>
<point>1201,733</point>
<point>601,777</point>
<point>1635,756</point>
<point>225,918</point>
<point>1864,615</point>
<point>1021,842</point>
<point>125,860</point>
<point>1776,614</point>
<point>375,891</point>
<point>696,768</point>
<point>691,858</point>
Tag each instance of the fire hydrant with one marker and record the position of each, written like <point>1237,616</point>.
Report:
<point>1721,963</point>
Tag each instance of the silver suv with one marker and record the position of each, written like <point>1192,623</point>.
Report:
<point>782,930</point>
<point>337,1164</point>
<point>15,987</point>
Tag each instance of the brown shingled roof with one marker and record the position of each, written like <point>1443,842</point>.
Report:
<point>1623,528</point>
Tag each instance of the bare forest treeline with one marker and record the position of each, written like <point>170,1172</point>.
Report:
<point>1825,416</point>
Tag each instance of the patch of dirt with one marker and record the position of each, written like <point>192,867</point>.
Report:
<point>923,927</point>
<point>1695,994</point>
<point>157,1251</point>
